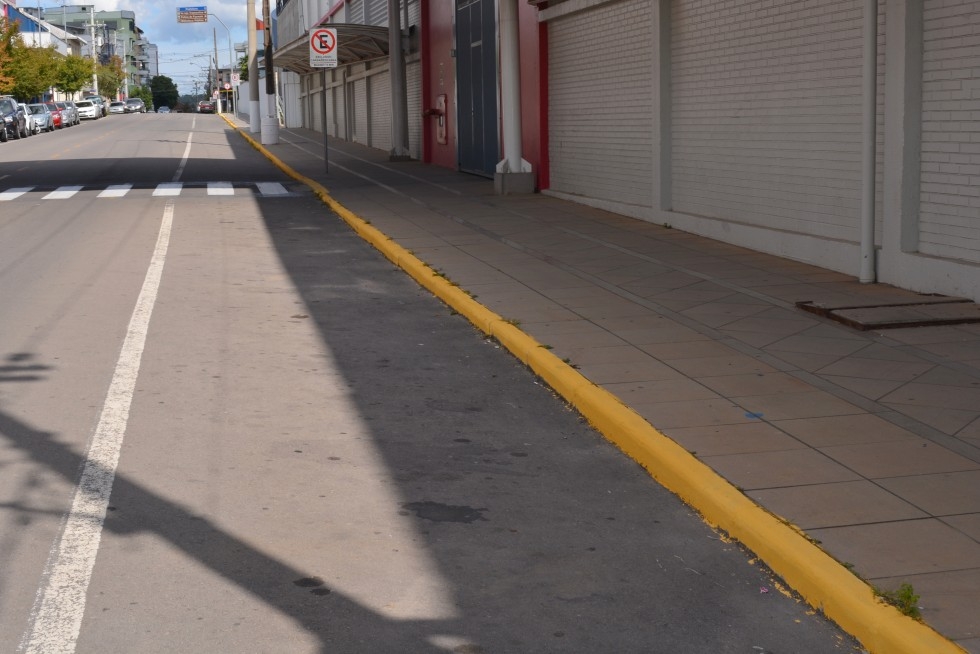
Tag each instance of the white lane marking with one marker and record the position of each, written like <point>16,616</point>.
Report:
<point>14,193</point>
<point>220,188</point>
<point>116,191</point>
<point>183,160</point>
<point>271,188</point>
<point>62,193</point>
<point>56,619</point>
<point>167,188</point>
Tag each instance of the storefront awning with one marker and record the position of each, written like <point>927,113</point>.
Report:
<point>354,43</point>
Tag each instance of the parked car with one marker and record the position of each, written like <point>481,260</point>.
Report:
<point>56,116</point>
<point>117,107</point>
<point>74,112</point>
<point>99,102</point>
<point>14,119</point>
<point>69,114</point>
<point>42,117</point>
<point>32,127</point>
<point>135,106</point>
<point>88,110</point>
<point>205,107</point>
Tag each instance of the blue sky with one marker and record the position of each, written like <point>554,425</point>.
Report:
<point>185,48</point>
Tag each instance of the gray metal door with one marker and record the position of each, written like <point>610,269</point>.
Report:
<point>476,85</point>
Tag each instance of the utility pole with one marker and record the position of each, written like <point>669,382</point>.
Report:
<point>254,111</point>
<point>270,113</point>
<point>95,54</point>
<point>217,81</point>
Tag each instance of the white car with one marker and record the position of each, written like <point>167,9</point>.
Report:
<point>88,109</point>
<point>32,125</point>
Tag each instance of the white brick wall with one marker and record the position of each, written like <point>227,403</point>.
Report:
<point>949,218</point>
<point>600,102</point>
<point>766,122</point>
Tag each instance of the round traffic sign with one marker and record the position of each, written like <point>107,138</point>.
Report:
<point>323,41</point>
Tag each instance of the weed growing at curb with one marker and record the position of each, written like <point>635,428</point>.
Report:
<point>904,599</point>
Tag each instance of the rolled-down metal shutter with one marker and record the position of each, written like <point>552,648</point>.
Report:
<point>766,113</point>
<point>949,214</point>
<point>600,114</point>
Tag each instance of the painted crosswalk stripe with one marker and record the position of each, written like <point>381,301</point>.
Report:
<point>271,188</point>
<point>14,193</point>
<point>116,191</point>
<point>220,188</point>
<point>62,193</point>
<point>168,188</point>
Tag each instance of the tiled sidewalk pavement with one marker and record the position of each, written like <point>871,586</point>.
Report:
<point>869,441</point>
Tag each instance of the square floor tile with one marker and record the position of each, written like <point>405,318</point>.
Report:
<point>644,368</point>
<point>763,383</point>
<point>668,390</point>
<point>805,404</point>
<point>697,413</point>
<point>900,549</point>
<point>949,600</point>
<point>899,458</point>
<point>700,349</point>
<point>844,430</point>
<point>718,366</point>
<point>948,421</point>
<point>799,467</point>
<point>968,523</point>
<point>835,505</point>
<point>733,439</point>
<point>872,389</point>
<point>939,494</point>
<point>963,398</point>
<point>877,369</point>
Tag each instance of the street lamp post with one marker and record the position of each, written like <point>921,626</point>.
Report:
<point>231,64</point>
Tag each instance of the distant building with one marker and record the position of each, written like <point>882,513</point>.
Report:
<point>38,33</point>
<point>110,33</point>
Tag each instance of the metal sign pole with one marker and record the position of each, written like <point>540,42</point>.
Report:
<point>323,104</point>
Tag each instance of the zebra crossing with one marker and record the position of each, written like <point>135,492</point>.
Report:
<point>165,189</point>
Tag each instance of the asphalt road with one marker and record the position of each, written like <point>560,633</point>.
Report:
<point>305,452</point>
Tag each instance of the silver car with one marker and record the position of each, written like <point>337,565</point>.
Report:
<point>42,117</point>
<point>69,114</point>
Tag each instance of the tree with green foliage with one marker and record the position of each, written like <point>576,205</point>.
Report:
<point>164,91</point>
<point>243,68</point>
<point>110,76</point>
<point>8,42</point>
<point>74,73</point>
<point>143,93</point>
<point>35,70</point>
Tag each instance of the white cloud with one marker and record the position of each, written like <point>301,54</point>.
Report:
<point>186,49</point>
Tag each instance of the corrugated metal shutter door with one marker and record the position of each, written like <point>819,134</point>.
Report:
<point>376,12</point>
<point>361,125</point>
<point>599,113</point>
<point>949,214</point>
<point>380,110</point>
<point>766,122</point>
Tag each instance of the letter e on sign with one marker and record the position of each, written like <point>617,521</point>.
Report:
<point>323,47</point>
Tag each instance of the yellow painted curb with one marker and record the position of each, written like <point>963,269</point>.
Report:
<point>823,582</point>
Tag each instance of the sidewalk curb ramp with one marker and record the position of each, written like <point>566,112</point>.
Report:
<point>823,582</point>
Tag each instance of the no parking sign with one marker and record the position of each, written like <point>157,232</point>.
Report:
<point>323,47</point>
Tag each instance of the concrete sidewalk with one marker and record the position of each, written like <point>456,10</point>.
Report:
<point>868,441</point>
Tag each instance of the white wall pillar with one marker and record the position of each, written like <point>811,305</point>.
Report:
<point>513,172</point>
